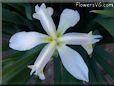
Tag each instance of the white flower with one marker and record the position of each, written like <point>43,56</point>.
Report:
<point>70,58</point>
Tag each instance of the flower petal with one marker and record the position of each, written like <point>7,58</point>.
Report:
<point>26,40</point>
<point>50,10</point>
<point>41,76</point>
<point>88,48</point>
<point>84,39</point>
<point>92,39</point>
<point>75,38</point>
<point>68,19</point>
<point>42,59</point>
<point>44,15</point>
<point>73,63</point>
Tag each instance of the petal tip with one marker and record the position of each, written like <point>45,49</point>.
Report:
<point>68,18</point>
<point>94,38</point>
<point>41,76</point>
<point>87,79</point>
<point>50,10</point>
<point>36,8</point>
<point>35,15</point>
<point>30,66</point>
<point>43,5</point>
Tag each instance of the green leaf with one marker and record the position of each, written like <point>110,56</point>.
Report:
<point>92,77</point>
<point>107,23</point>
<point>106,67</point>
<point>19,7</point>
<point>98,75</point>
<point>57,70</point>
<point>67,78</point>
<point>11,58</point>
<point>28,11</point>
<point>101,56</point>
<point>21,64</point>
<point>13,17</point>
<point>9,29</point>
<point>20,77</point>
<point>105,12</point>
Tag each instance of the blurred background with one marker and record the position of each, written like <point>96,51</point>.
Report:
<point>17,17</point>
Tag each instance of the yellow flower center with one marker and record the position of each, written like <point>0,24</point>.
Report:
<point>50,39</point>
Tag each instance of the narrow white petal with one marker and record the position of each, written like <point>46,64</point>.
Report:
<point>73,63</point>
<point>50,10</point>
<point>84,39</point>
<point>68,18</point>
<point>43,6</point>
<point>75,38</point>
<point>92,39</point>
<point>43,59</point>
<point>45,55</point>
<point>26,40</point>
<point>44,15</point>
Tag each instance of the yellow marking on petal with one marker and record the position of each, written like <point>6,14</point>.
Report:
<point>56,53</point>
<point>88,48</point>
<point>49,39</point>
<point>41,71</point>
<point>89,45</point>
<point>58,34</point>
<point>58,43</point>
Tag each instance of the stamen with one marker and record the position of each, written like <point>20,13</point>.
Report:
<point>58,34</point>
